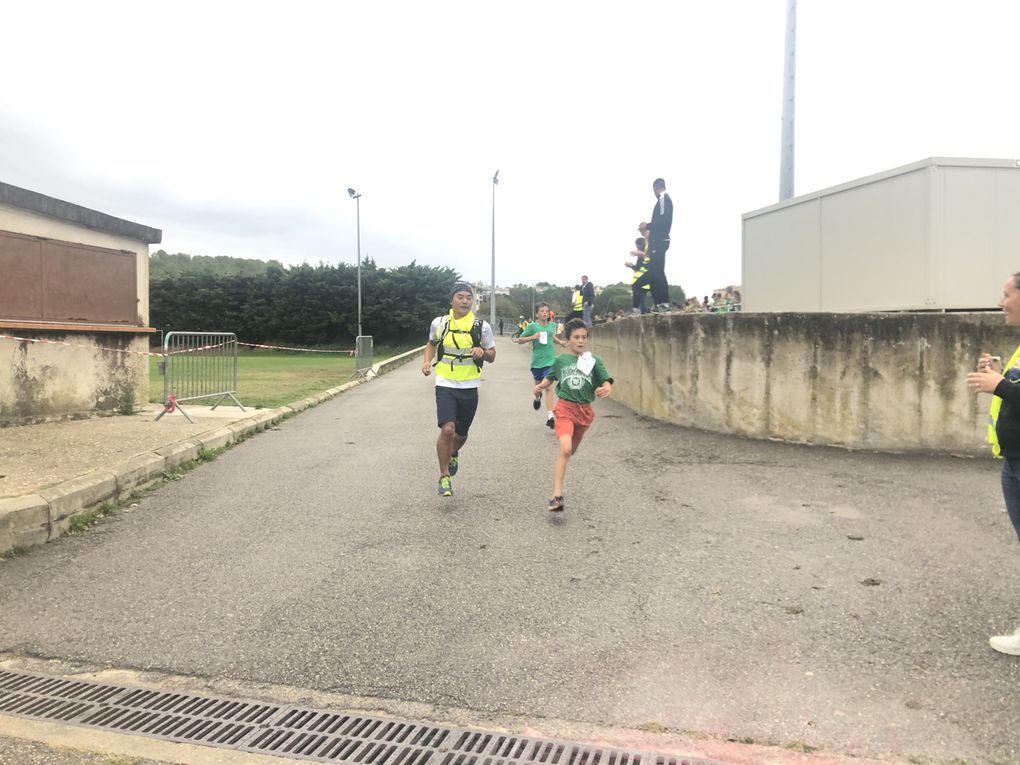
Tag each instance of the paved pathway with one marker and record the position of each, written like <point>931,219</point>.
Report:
<point>804,597</point>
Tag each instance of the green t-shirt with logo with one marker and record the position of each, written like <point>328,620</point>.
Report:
<point>542,354</point>
<point>574,385</point>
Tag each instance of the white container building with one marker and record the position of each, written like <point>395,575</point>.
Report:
<point>939,234</point>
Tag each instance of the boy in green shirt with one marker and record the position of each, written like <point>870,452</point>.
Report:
<point>542,334</point>
<point>580,377</point>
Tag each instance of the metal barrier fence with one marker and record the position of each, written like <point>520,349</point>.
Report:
<point>363,349</point>
<point>198,365</point>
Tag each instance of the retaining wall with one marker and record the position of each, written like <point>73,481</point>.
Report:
<point>873,381</point>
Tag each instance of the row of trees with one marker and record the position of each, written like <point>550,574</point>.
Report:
<point>265,302</point>
<point>304,305</point>
<point>162,264</point>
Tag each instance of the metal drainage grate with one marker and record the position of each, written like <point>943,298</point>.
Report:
<point>285,731</point>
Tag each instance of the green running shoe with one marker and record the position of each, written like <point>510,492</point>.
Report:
<point>445,486</point>
<point>454,464</point>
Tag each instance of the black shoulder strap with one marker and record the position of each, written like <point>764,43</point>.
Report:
<point>476,339</point>
<point>444,330</point>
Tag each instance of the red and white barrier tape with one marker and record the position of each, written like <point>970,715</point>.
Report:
<point>75,345</point>
<point>284,348</point>
<point>160,353</point>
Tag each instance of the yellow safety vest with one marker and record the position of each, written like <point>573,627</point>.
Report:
<point>578,301</point>
<point>453,351</point>
<point>993,410</point>
<point>642,266</point>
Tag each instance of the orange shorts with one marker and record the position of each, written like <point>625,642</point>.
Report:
<point>573,419</point>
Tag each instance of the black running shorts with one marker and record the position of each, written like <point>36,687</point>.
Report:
<point>456,405</point>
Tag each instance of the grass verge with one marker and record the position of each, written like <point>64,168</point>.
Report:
<point>268,379</point>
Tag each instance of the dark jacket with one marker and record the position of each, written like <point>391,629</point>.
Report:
<point>662,219</point>
<point>588,293</point>
<point>1007,425</point>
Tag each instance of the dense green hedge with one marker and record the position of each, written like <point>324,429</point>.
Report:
<point>304,305</point>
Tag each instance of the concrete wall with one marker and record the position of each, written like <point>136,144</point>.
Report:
<point>871,381</point>
<point>44,381</point>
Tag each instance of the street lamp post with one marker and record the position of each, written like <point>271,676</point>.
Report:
<point>492,295</point>
<point>357,199</point>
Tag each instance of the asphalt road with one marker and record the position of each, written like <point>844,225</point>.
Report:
<point>754,590</point>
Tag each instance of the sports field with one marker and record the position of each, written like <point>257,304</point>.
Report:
<point>269,379</point>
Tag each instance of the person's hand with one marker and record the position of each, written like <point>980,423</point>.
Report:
<point>538,390</point>
<point>426,369</point>
<point>984,381</point>
<point>477,352</point>
<point>605,390</point>
<point>514,340</point>
<point>986,361</point>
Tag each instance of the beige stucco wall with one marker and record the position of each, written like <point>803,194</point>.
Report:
<point>20,221</point>
<point>44,381</point>
<point>872,381</point>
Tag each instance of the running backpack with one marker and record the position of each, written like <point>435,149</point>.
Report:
<point>476,340</point>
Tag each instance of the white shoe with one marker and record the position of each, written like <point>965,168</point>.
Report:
<point>1006,643</point>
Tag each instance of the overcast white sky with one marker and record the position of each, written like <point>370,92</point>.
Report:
<point>236,128</point>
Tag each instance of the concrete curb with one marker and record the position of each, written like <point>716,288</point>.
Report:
<point>33,519</point>
<point>24,522</point>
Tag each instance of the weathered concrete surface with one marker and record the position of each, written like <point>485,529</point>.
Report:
<point>33,457</point>
<point>138,472</point>
<point>71,497</point>
<point>42,382</point>
<point>176,454</point>
<point>24,522</point>
<point>784,594</point>
<point>873,381</point>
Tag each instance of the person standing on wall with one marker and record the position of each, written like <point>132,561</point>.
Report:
<point>576,304</point>
<point>1004,428</point>
<point>640,268</point>
<point>658,242</point>
<point>459,343</point>
<point>587,300</point>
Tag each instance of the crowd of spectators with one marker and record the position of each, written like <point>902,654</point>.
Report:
<point>723,301</point>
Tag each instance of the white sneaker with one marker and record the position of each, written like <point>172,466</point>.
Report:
<point>1006,643</point>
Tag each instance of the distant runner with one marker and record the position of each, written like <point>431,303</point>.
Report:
<point>542,335</point>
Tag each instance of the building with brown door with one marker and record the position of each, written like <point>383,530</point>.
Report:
<point>74,309</point>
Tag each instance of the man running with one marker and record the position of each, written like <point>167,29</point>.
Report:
<point>542,334</point>
<point>459,343</point>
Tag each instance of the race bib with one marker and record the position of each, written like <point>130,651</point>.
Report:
<point>586,363</point>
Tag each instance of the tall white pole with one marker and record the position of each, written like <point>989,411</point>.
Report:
<point>789,83</point>
<point>492,293</point>
<point>357,199</point>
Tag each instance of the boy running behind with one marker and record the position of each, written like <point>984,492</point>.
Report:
<point>580,376</point>
<point>541,332</point>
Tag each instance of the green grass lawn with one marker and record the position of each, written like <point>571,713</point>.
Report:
<point>269,379</point>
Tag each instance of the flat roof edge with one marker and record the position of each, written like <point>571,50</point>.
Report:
<point>885,175</point>
<point>33,201</point>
